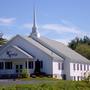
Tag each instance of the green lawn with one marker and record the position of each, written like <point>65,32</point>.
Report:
<point>57,85</point>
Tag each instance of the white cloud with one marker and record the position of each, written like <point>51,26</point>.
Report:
<point>7,21</point>
<point>59,28</point>
<point>64,27</point>
<point>27,25</point>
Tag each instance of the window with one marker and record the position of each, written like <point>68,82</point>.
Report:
<point>1,65</point>
<point>80,66</point>
<point>77,66</point>
<point>74,67</point>
<point>41,64</point>
<point>84,67</point>
<point>8,65</point>
<point>21,66</point>
<point>62,66</point>
<point>17,66</point>
<point>59,66</point>
<point>87,67</point>
<point>30,65</point>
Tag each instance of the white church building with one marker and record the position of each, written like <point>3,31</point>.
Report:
<point>53,57</point>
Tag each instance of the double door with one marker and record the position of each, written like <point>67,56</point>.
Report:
<point>19,68</point>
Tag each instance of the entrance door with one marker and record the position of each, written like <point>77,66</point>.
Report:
<point>37,66</point>
<point>64,77</point>
<point>19,69</point>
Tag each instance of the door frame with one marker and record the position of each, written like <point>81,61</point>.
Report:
<point>18,68</point>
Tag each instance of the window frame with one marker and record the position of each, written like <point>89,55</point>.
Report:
<point>84,67</point>
<point>1,65</point>
<point>77,66</point>
<point>74,66</point>
<point>62,66</point>
<point>30,64</point>
<point>81,67</point>
<point>8,65</point>
<point>59,66</point>
<point>87,67</point>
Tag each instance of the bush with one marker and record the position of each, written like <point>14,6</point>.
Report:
<point>25,74</point>
<point>87,79</point>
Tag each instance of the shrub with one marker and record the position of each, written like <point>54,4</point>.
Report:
<point>24,73</point>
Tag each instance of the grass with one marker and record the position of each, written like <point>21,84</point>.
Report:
<point>59,85</point>
<point>55,85</point>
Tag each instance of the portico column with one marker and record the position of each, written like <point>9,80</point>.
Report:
<point>28,68</point>
<point>4,65</point>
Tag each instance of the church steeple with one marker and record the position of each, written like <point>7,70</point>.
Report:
<point>34,21</point>
<point>34,32</point>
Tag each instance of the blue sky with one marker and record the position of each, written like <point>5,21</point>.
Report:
<point>61,20</point>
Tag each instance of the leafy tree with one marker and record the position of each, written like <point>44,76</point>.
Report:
<point>84,50</point>
<point>81,45</point>
<point>74,43</point>
<point>2,41</point>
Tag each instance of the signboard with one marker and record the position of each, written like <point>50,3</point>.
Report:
<point>11,53</point>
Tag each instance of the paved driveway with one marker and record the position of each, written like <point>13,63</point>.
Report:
<point>12,82</point>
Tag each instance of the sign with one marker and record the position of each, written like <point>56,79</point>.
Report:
<point>11,53</point>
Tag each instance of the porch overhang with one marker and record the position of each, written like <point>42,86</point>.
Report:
<point>14,52</point>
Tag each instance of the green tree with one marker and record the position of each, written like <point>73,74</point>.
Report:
<point>81,45</point>
<point>2,41</point>
<point>84,50</point>
<point>73,44</point>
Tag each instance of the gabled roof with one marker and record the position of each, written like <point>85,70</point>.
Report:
<point>43,48</point>
<point>65,50</point>
<point>54,49</point>
<point>22,51</point>
<point>58,49</point>
<point>36,44</point>
<point>17,49</point>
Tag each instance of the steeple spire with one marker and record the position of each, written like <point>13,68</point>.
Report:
<point>34,32</point>
<point>34,20</point>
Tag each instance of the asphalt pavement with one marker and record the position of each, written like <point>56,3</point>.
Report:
<point>14,82</point>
